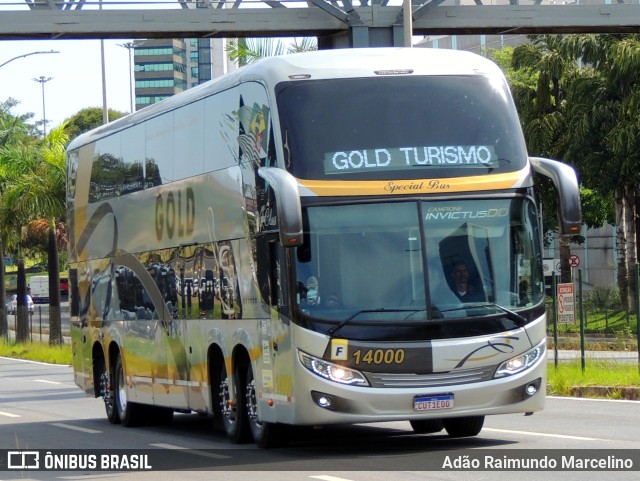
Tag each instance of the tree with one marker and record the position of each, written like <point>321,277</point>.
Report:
<point>87,119</point>
<point>604,107</point>
<point>244,51</point>
<point>51,234</point>
<point>34,188</point>
<point>15,134</point>
<point>542,113</point>
<point>13,128</point>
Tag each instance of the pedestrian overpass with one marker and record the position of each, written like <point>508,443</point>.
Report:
<point>336,23</point>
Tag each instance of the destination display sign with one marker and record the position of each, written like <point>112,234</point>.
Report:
<point>404,158</point>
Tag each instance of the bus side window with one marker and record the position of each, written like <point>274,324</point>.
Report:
<point>268,268</point>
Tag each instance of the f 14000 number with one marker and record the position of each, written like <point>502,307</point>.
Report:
<point>379,356</point>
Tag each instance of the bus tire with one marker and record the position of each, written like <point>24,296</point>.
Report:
<point>234,416</point>
<point>265,435</point>
<point>426,426</point>
<point>109,395</point>
<point>463,427</point>
<point>130,414</point>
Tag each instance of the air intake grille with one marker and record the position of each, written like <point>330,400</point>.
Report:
<point>467,376</point>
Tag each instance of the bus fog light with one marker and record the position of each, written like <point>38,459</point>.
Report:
<point>521,362</point>
<point>530,389</point>
<point>332,372</point>
<point>323,400</point>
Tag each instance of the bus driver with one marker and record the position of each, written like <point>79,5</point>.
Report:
<point>461,286</point>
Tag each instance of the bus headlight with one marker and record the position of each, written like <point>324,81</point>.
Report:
<point>521,362</point>
<point>332,372</point>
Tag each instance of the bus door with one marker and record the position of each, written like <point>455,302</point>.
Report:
<point>175,392</point>
<point>276,362</point>
<point>188,347</point>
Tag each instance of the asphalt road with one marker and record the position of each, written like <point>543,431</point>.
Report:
<point>41,408</point>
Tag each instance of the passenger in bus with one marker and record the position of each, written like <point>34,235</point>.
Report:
<point>462,288</point>
<point>313,291</point>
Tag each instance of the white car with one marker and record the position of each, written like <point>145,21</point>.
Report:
<point>12,304</point>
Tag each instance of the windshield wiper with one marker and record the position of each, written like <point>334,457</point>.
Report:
<point>344,322</point>
<point>514,316</point>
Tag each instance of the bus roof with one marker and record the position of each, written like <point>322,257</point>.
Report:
<point>322,64</point>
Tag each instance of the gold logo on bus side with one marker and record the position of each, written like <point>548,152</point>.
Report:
<point>175,213</point>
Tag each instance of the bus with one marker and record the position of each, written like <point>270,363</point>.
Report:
<point>323,238</point>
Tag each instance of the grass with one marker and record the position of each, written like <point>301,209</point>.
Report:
<point>598,373</point>
<point>618,343</point>
<point>37,351</point>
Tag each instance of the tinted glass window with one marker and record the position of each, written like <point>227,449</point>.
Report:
<point>159,151</point>
<point>188,146</point>
<point>113,174</point>
<point>372,263</point>
<point>399,127</point>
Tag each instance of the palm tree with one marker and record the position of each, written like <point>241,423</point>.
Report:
<point>13,128</point>
<point>543,110</point>
<point>34,189</point>
<point>244,51</point>
<point>14,133</point>
<point>604,108</point>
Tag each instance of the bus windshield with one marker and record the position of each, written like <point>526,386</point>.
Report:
<point>399,127</point>
<point>386,263</point>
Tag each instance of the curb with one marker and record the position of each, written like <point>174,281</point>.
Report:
<point>629,393</point>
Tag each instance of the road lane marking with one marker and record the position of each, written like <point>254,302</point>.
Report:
<point>197,452</point>
<point>76,428</point>
<point>29,361</point>
<point>47,382</point>
<point>329,478</point>
<point>9,415</point>
<point>547,435</point>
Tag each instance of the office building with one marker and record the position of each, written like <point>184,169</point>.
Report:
<point>165,67</point>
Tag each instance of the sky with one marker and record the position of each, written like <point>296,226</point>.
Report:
<point>76,77</point>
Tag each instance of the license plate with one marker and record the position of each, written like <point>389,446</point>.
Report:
<point>436,402</point>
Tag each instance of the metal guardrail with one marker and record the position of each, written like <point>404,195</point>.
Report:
<point>632,326</point>
<point>39,322</point>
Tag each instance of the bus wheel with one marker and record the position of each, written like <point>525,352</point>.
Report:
<point>131,414</point>
<point>265,435</point>
<point>234,417</point>
<point>463,427</point>
<point>426,426</point>
<point>109,396</point>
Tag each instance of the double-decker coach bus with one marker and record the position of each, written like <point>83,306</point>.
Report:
<point>322,238</point>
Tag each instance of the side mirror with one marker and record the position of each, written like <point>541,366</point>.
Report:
<point>285,187</point>
<point>566,183</point>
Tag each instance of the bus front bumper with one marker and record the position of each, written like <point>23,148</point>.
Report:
<point>319,401</point>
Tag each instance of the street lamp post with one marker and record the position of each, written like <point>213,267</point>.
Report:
<point>43,80</point>
<point>26,55</point>
<point>130,46</point>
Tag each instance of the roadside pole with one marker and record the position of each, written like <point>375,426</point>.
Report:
<point>582,356</point>
<point>638,312</point>
<point>554,297</point>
